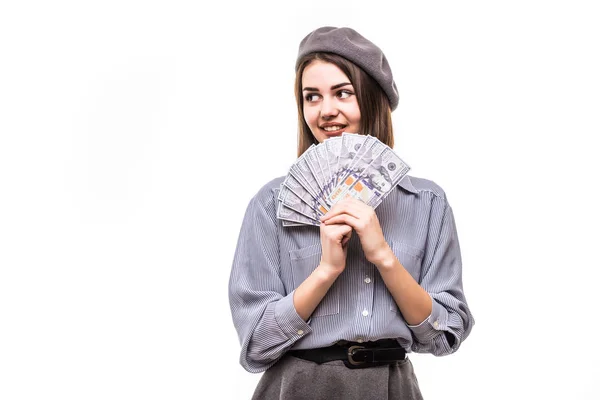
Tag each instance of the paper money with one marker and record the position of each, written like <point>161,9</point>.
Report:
<point>351,165</point>
<point>291,200</point>
<point>290,215</point>
<point>372,182</point>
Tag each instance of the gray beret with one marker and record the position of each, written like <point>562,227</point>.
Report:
<point>348,43</point>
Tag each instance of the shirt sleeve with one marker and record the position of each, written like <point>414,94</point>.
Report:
<point>450,321</point>
<point>264,316</point>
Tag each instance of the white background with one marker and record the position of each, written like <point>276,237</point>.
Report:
<point>134,133</point>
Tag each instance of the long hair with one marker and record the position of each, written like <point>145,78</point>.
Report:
<point>374,105</point>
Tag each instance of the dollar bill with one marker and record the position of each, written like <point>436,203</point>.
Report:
<point>351,144</point>
<point>333,147</point>
<point>312,160</point>
<point>370,149</point>
<point>290,215</point>
<point>322,159</point>
<point>291,200</point>
<point>371,183</point>
<point>299,190</point>
<point>288,223</point>
<point>301,171</point>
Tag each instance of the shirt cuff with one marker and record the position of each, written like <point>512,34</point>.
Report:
<point>290,323</point>
<point>432,325</point>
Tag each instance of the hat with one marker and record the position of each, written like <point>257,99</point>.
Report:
<point>351,45</point>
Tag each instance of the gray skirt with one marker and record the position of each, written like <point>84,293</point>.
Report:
<point>297,379</point>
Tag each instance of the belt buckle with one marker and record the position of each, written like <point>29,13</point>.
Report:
<point>351,350</point>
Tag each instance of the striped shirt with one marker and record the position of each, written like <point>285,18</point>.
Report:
<point>270,261</point>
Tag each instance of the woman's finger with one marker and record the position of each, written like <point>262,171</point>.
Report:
<point>342,208</point>
<point>342,219</point>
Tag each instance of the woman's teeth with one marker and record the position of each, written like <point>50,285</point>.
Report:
<point>333,128</point>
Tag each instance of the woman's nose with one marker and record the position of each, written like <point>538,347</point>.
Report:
<point>328,109</point>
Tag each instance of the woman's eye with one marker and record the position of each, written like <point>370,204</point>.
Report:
<point>344,94</point>
<point>311,97</point>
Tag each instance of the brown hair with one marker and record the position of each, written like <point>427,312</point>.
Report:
<point>374,105</point>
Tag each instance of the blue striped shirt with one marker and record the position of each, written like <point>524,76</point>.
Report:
<point>270,261</point>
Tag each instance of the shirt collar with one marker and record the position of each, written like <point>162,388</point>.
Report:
<point>406,184</point>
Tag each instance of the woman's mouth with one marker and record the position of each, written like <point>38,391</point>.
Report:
<point>332,130</point>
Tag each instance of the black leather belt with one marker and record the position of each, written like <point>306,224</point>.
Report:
<point>355,355</point>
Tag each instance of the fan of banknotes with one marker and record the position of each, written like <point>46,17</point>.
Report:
<point>350,165</point>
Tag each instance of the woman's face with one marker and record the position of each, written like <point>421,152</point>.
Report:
<point>330,105</point>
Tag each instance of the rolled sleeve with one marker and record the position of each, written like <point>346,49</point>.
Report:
<point>432,326</point>
<point>450,321</point>
<point>290,323</point>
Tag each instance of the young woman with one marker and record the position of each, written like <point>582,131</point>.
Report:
<point>330,312</point>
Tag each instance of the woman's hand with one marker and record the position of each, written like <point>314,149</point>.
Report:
<point>334,239</point>
<point>361,217</point>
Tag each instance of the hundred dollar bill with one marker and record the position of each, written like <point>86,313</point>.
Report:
<point>312,160</point>
<point>351,144</point>
<point>370,149</point>
<point>301,171</point>
<point>323,163</point>
<point>374,182</point>
<point>332,152</point>
<point>392,168</point>
<point>290,215</point>
<point>365,154</point>
<point>288,223</point>
<point>294,169</point>
<point>299,190</point>
<point>291,200</point>
<point>352,164</point>
<point>333,147</point>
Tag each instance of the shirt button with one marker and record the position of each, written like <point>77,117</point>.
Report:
<point>359,340</point>
<point>367,280</point>
<point>436,324</point>
<point>365,313</point>
<point>300,332</point>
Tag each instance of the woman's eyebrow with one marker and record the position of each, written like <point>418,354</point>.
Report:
<point>339,85</point>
